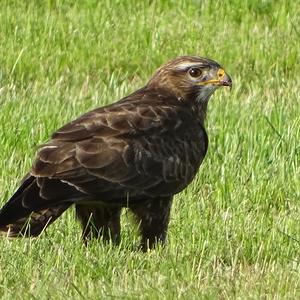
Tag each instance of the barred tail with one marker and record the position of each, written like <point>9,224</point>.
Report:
<point>16,218</point>
<point>35,223</point>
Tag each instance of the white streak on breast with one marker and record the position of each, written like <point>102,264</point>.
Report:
<point>49,147</point>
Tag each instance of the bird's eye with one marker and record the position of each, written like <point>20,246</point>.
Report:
<point>195,72</point>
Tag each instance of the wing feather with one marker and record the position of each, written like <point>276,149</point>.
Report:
<point>148,146</point>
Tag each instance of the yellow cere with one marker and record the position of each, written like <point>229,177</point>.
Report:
<point>220,76</point>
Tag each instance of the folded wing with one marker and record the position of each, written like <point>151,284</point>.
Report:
<point>136,147</point>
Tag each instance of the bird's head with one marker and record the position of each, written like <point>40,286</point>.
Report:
<point>191,78</point>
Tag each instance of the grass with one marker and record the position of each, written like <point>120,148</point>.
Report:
<point>234,232</point>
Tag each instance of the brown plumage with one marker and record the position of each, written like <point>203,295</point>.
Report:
<point>135,153</point>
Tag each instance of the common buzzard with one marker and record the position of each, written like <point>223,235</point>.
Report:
<point>136,153</point>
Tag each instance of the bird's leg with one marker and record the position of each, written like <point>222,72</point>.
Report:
<point>153,216</point>
<point>99,222</point>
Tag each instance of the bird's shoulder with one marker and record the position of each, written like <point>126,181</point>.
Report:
<point>139,112</point>
<point>147,139</point>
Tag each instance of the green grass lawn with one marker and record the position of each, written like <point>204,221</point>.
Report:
<point>235,231</point>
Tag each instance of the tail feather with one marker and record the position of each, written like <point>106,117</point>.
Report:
<point>28,213</point>
<point>13,209</point>
<point>35,223</point>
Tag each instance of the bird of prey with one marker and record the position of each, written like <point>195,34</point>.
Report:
<point>135,153</point>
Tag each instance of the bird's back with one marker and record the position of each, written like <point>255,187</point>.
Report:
<point>147,144</point>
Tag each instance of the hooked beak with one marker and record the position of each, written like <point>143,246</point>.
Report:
<point>226,81</point>
<point>223,79</point>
